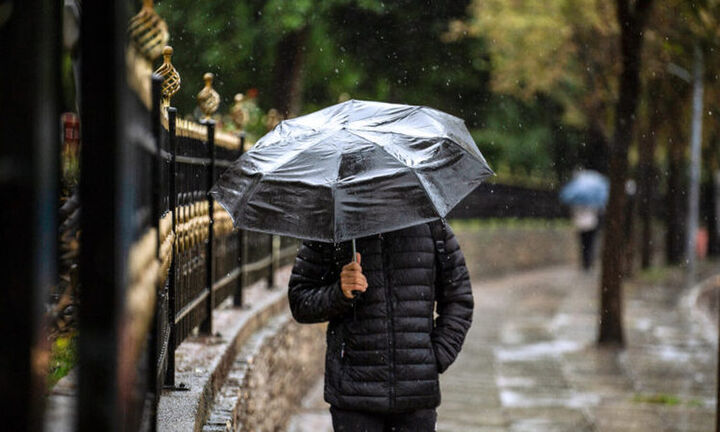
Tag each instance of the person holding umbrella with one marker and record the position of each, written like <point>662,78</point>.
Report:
<point>366,185</point>
<point>586,194</point>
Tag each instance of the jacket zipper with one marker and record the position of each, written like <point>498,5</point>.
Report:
<point>391,333</point>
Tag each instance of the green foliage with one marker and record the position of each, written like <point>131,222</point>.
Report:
<point>527,142</point>
<point>63,356</point>
<point>562,48</point>
<point>654,275</point>
<point>666,399</point>
<point>367,49</point>
<point>402,55</point>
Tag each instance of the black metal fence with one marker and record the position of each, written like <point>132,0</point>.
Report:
<point>494,200</point>
<point>157,254</point>
<point>208,260</point>
<point>183,252</point>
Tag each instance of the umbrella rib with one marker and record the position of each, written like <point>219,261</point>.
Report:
<point>417,177</point>
<point>294,156</point>
<point>413,137</point>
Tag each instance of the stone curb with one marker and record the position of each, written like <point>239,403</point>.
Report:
<point>203,362</point>
<point>694,303</point>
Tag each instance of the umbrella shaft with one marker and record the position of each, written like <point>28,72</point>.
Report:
<point>354,257</point>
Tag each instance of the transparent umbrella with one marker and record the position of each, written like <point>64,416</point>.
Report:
<point>587,188</point>
<point>352,170</point>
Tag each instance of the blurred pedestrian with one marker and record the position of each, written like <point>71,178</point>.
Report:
<point>586,194</point>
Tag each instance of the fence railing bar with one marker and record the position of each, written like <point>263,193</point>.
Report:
<point>261,264</point>
<point>257,265</point>
<point>191,160</point>
<point>192,305</point>
<point>165,155</point>
<point>223,163</point>
<point>288,252</point>
<point>227,279</point>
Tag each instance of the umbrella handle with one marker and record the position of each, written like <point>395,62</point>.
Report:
<point>355,293</point>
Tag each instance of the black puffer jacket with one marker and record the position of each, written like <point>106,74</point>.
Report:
<point>385,350</point>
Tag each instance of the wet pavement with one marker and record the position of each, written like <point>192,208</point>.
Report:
<point>530,364</point>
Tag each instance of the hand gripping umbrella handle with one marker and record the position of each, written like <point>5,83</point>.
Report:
<point>355,293</point>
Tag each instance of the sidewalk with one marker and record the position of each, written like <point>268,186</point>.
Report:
<point>530,365</point>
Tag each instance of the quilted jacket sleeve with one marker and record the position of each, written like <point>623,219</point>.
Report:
<point>454,304</point>
<point>314,290</point>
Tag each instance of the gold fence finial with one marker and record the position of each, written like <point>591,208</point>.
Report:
<point>171,78</point>
<point>148,32</point>
<point>208,99</point>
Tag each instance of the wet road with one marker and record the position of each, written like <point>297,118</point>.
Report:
<point>530,365</point>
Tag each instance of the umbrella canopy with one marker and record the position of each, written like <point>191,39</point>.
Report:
<point>587,188</point>
<point>352,170</point>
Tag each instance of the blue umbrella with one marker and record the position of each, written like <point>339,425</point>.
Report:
<point>587,188</point>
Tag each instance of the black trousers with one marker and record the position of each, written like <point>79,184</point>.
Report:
<point>587,241</point>
<point>357,421</point>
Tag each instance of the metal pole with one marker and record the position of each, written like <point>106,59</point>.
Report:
<point>695,144</point>
<point>238,297</point>
<point>155,336</point>
<point>172,276</point>
<point>207,325</point>
<point>29,133</point>
<point>271,266</point>
<point>107,213</point>
<point>355,293</point>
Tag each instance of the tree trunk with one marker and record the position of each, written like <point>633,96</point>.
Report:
<point>714,214</point>
<point>647,181</point>
<point>675,197</point>
<point>632,21</point>
<point>629,227</point>
<point>288,72</point>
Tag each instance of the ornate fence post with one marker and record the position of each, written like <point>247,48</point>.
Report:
<point>273,118</point>
<point>240,118</point>
<point>172,277</point>
<point>156,337</point>
<point>274,259</point>
<point>29,132</point>
<point>209,100</point>
<point>170,85</point>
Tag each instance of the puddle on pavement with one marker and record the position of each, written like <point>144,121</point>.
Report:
<point>534,351</point>
<point>564,399</point>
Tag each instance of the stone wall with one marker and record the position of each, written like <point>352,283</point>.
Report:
<point>270,376</point>
<point>504,247</point>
